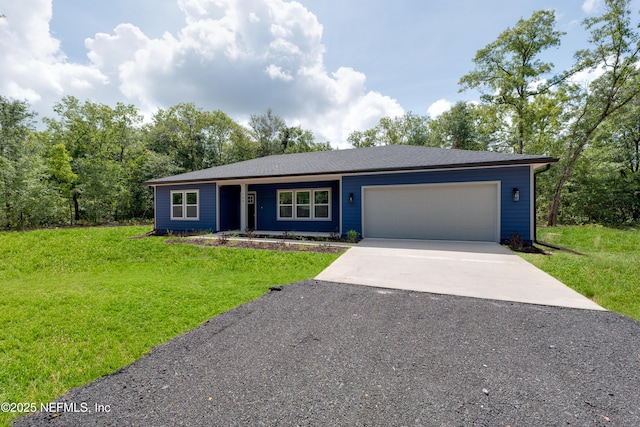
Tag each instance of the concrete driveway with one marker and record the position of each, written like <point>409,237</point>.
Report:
<point>472,269</point>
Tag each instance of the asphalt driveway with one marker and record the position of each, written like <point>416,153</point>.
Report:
<point>474,269</point>
<point>328,354</point>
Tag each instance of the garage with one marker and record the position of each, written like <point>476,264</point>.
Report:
<point>450,211</point>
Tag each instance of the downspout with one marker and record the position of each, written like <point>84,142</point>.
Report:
<point>535,200</point>
<point>155,219</point>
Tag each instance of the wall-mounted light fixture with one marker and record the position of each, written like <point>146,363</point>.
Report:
<point>350,198</point>
<point>516,195</point>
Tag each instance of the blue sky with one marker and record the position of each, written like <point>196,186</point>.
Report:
<point>332,66</point>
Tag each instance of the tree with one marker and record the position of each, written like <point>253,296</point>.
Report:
<point>266,129</point>
<point>509,73</point>
<point>297,140</point>
<point>605,184</point>
<point>102,143</point>
<point>272,136</point>
<point>458,128</point>
<point>242,146</point>
<point>16,122</point>
<point>362,139</point>
<point>625,137</point>
<point>195,139</point>
<point>220,133</point>
<point>27,198</point>
<point>615,51</point>
<point>417,129</point>
<point>179,132</point>
<point>408,129</point>
<point>144,166</point>
<point>61,173</point>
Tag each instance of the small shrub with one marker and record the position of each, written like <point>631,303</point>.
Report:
<point>353,236</point>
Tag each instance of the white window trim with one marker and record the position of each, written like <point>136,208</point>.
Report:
<point>311,205</point>
<point>184,205</point>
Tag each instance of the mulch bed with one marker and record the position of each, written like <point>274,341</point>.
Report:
<point>256,244</point>
<point>531,250</point>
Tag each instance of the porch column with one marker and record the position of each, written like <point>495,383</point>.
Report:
<point>243,207</point>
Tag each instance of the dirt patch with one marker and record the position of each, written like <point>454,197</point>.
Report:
<point>256,244</point>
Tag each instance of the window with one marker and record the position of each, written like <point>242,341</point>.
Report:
<point>304,204</point>
<point>321,204</point>
<point>184,205</point>
<point>285,204</point>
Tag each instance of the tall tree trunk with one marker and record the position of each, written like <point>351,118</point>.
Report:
<point>564,177</point>
<point>76,206</point>
<point>520,136</point>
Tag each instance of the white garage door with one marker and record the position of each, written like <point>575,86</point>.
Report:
<point>466,211</point>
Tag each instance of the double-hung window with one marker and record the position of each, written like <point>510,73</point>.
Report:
<point>304,204</point>
<point>285,204</point>
<point>185,205</point>
<point>321,204</point>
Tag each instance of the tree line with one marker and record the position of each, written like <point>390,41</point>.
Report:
<point>89,162</point>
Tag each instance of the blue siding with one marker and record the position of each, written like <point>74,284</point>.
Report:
<point>229,207</point>
<point>515,216</point>
<point>267,207</point>
<point>207,205</point>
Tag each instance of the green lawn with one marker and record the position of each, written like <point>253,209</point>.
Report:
<point>76,304</point>
<point>609,273</point>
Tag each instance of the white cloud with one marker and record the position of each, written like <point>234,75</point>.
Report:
<point>276,72</point>
<point>240,56</point>
<point>346,105</point>
<point>33,66</point>
<point>585,77</point>
<point>439,107</point>
<point>591,6</point>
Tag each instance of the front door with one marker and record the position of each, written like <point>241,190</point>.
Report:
<point>251,210</point>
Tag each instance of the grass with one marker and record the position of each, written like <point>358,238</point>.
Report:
<point>608,273</point>
<point>77,304</point>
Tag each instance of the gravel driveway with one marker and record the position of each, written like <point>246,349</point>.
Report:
<point>327,354</point>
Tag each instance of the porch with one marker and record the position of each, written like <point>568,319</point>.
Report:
<point>302,209</point>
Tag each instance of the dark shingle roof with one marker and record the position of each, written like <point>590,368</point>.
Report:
<point>373,159</point>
